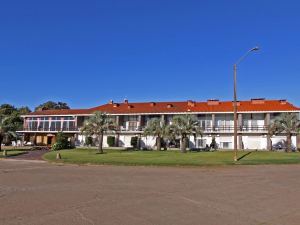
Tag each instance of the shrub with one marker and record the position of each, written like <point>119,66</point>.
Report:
<point>88,140</point>
<point>61,142</point>
<point>111,141</point>
<point>214,144</point>
<point>134,141</point>
<point>57,146</point>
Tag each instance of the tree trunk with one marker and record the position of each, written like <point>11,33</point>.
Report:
<point>100,146</point>
<point>158,143</point>
<point>1,139</point>
<point>34,140</point>
<point>289,142</point>
<point>183,145</point>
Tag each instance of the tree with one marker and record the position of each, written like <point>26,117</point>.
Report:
<point>157,128</point>
<point>52,105</point>
<point>24,110</point>
<point>13,121</point>
<point>7,109</point>
<point>287,123</point>
<point>10,121</point>
<point>183,127</point>
<point>97,125</point>
<point>5,129</point>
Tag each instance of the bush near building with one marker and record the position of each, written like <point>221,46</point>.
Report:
<point>214,144</point>
<point>134,142</point>
<point>61,142</point>
<point>111,141</point>
<point>88,141</point>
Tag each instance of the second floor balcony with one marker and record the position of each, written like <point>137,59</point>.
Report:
<point>140,129</point>
<point>252,128</point>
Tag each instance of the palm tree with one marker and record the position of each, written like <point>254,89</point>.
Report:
<point>157,128</point>
<point>287,123</point>
<point>97,125</point>
<point>183,127</point>
<point>5,129</point>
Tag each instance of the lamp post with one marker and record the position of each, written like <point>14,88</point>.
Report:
<point>235,101</point>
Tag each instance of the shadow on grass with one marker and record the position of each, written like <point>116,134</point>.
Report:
<point>243,156</point>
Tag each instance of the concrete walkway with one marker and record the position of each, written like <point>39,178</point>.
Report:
<point>42,193</point>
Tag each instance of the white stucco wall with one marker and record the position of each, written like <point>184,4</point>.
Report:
<point>250,142</point>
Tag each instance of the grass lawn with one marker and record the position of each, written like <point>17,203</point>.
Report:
<point>12,152</point>
<point>171,158</point>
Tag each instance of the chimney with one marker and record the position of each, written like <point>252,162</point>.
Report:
<point>191,103</point>
<point>283,101</point>
<point>238,103</point>
<point>111,102</point>
<point>152,104</point>
<point>257,100</point>
<point>126,101</point>
<point>213,102</point>
<point>169,106</point>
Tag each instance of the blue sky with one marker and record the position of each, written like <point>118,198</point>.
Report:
<point>87,52</point>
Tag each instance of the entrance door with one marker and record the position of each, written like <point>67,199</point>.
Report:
<point>49,140</point>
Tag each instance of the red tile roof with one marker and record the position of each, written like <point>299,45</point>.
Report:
<point>179,107</point>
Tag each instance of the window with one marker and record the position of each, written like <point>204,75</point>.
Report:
<point>224,120</point>
<point>201,143</point>
<point>71,125</point>
<point>226,145</point>
<point>205,120</point>
<point>132,125</point>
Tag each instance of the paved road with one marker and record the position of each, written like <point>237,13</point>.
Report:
<point>33,192</point>
<point>31,155</point>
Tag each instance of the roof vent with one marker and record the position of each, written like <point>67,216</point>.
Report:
<point>213,102</point>
<point>115,105</point>
<point>191,103</point>
<point>257,100</point>
<point>283,101</point>
<point>152,104</point>
<point>111,102</point>
<point>126,101</point>
<point>169,106</point>
<point>130,106</point>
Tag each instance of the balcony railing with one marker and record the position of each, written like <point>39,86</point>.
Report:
<point>231,128</point>
<point>140,129</point>
<point>51,129</point>
<point>130,128</point>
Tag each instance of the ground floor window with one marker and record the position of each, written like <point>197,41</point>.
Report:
<point>226,145</point>
<point>201,143</point>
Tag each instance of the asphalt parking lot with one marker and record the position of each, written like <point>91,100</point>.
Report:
<point>35,192</point>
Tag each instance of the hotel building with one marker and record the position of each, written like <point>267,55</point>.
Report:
<point>215,118</point>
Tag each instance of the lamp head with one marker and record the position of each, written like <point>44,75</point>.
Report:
<point>256,48</point>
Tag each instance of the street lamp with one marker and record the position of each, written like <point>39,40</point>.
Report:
<point>234,100</point>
